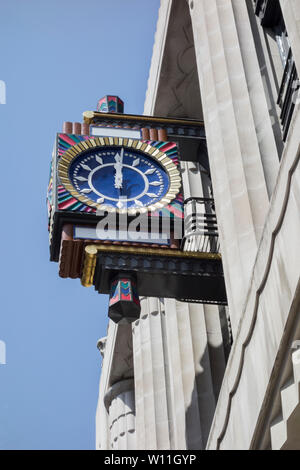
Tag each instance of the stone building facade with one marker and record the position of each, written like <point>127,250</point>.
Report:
<point>192,376</point>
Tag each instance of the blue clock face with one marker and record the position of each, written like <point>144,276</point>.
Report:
<point>118,177</point>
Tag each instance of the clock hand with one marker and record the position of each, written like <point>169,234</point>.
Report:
<point>118,167</point>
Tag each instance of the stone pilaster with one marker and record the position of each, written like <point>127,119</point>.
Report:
<point>152,421</point>
<point>257,95</point>
<point>239,183</point>
<point>175,347</point>
<point>191,397</point>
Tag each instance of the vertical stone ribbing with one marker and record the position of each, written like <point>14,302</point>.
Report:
<point>239,184</point>
<point>150,384</point>
<point>159,379</point>
<point>120,423</point>
<point>215,346</point>
<point>257,96</point>
<point>130,419</point>
<point>177,399</point>
<point>139,383</point>
<point>174,384</point>
<point>120,405</point>
<point>187,429</point>
<point>204,387</point>
<point>194,187</point>
<point>191,398</point>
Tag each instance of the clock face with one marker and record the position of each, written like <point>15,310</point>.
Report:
<point>121,178</point>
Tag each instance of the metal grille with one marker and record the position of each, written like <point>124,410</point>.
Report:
<point>200,226</point>
<point>288,93</point>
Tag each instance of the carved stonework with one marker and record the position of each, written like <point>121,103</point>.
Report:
<point>101,343</point>
<point>120,405</point>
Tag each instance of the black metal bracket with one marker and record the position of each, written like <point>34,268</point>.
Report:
<point>197,279</point>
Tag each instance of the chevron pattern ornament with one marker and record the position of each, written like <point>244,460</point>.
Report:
<point>124,304</point>
<point>67,202</point>
<point>110,104</point>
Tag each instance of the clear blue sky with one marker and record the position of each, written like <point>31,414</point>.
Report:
<point>57,57</point>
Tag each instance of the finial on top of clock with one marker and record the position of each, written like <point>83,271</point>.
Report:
<point>110,104</point>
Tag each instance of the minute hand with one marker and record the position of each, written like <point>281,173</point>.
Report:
<point>118,167</point>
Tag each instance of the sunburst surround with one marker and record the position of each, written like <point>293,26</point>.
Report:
<point>119,175</point>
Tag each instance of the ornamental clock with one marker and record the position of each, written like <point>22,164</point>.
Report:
<point>114,164</point>
<point>135,177</point>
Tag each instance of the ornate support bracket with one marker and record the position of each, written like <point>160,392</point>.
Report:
<point>191,276</point>
<point>124,303</point>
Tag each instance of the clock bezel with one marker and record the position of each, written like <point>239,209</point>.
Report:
<point>132,144</point>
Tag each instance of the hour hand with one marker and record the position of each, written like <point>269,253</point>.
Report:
<point>118,167</point>
<point>118,179</point>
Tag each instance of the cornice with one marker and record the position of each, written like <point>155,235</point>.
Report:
<point>91,117</point>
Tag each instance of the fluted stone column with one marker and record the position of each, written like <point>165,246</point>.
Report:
<point>175,390</point>
<point>120,405</point>
<point>152,421</point>
<point>257,95</point>
<point>238,176</point>
<point>192,401</point>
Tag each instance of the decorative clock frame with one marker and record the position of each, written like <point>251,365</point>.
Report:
<point>143,148</point>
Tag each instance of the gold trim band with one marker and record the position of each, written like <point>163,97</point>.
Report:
<point>88,117</point>
<point>161,158</point>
